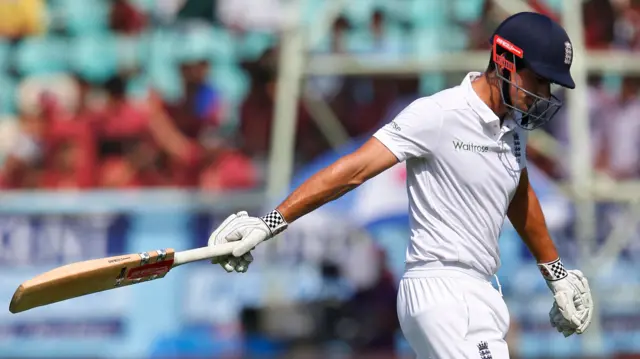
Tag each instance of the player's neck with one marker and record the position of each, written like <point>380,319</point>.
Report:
<point>489,93</point>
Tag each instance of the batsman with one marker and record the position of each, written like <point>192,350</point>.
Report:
<point>465,154</point>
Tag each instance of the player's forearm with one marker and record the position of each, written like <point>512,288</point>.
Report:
<point>325,186</point>
<point>527,218</point>
<point>337,179</point>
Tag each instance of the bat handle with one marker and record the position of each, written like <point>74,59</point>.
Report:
<point>198,254</point>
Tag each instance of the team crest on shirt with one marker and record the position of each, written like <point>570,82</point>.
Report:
<point>517,150</point>
<point>483,348</point>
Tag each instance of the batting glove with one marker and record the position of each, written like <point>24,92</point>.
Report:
<point>573,306</point>
<point>561,324</point>
<point>249,232</point>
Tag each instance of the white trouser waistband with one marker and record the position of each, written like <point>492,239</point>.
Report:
<point>447,269</point>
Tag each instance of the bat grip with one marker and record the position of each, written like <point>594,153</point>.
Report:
<point>198,254</point>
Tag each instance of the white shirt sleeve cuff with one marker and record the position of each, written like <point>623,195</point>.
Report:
<point>390,144</point>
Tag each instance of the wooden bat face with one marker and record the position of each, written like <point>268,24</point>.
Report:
<point>92,276</point>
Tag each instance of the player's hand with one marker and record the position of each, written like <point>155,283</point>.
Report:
<point>573,307</point>
<point>229,262</point>
<point>560,323</point>
<point>249,232</point>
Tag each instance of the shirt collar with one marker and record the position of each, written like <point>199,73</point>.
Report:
<point>474,101</point>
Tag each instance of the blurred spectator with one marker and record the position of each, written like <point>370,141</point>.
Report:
<point>378,28</point>
<point>9,132</point>
<point>126,18</point>
<point>599,19</point>
<point>120,118</point>
<point>61,88</point>
<point>126,150</point>
<point>383,44</point>
<point>22,18</point>
<point>256,116</point>
<point>621,136</point>
<point>85,102</point>
<point>480,31</point>
<point>328,86</point>
<point>70,155</point>
<point>188,132</point>
<point>626,27</point>
<point>23,163</point>
<point>52,150</point>
<point>369,112</point>
<point>600,104</point>
<point>230,170</point>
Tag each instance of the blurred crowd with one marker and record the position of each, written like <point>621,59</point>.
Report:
<point>127,117</point>
<point>71,129</point>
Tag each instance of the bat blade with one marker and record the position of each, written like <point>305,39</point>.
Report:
<point>92,276</point>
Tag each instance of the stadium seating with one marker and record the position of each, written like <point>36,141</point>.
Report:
<point>467,10</point>
<point>95,57</point>
<point>5,53</point>
<point>91,50</point>
<point>7,95</point>
<point>80,18</point>
<point>41,55</point>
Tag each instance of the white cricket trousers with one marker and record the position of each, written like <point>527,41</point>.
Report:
<point>449,311</point>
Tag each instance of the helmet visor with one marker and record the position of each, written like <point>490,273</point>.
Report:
<point>539,113</point>
<point>508,58</point>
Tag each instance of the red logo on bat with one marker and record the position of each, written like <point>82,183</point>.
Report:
<point>148,270</point>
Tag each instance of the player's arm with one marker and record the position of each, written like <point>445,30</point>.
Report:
<point>413,133</point>
<point>324,186</point>
<point>527,218</point>
<point>573,307</point>
<point>340,177</point>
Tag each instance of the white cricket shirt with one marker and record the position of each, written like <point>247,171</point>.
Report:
<point>462,172</point>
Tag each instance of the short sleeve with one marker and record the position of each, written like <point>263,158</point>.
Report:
<point>414,132</point>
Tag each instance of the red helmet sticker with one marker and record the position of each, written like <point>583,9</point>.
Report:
<point>497,40</point>
<point>501,60</point>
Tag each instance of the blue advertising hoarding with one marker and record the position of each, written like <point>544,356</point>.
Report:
<point>30,245</point>
<point>106,324</point>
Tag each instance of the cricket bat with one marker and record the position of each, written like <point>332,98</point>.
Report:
<point>98,275</point>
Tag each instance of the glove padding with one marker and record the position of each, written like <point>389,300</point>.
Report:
<point>560,323</point>
<point>572,309</point>
<point>239,227</point>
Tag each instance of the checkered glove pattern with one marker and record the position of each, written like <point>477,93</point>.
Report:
<point>572,309</point>
<point>553,270</point>
<point>275,222</point>
<point>248,231</point>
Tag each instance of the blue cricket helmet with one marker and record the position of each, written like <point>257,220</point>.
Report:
<point>545,45</point>
<point>536,42</point>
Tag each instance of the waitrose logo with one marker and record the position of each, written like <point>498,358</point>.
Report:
<point>471,147</point>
